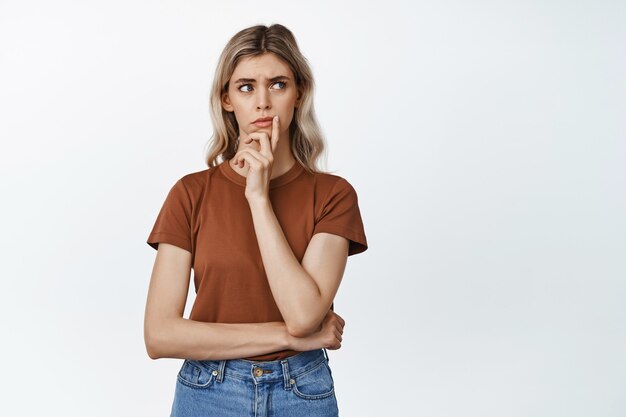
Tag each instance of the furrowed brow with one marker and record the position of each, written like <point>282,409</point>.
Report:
<point>252,80</point>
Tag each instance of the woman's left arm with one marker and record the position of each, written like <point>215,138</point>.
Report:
<point>303,292</point>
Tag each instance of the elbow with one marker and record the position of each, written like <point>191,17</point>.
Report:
<point>303,329</point>
<point>152,348</point>
<point>153,343</point>
<point>158,337</point>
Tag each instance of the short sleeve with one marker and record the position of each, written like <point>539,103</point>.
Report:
<point>341,216</point>
<point>173,223</point>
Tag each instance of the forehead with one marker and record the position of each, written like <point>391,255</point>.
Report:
<point>261,67</point>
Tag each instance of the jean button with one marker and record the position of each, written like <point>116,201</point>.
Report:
<point>258,371</point>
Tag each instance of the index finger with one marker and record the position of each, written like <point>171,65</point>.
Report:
<point>275,132</point>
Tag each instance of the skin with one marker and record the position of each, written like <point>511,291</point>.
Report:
<point>303,292</point>
<point>249,101</point>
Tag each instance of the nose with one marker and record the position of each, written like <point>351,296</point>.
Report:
<point>263,99</point>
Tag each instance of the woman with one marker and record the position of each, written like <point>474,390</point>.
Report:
<point>267,235</point>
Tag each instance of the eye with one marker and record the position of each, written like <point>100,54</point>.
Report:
<point>281,82</point>
<point>250,85</point>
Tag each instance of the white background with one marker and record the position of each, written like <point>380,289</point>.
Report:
<point>486,141</point>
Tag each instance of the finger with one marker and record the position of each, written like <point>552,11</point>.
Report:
<point>246,155</point>
<point>266,148</point>
<point>262,141</point>
<point>338,336</point>
<point>248,140</point>
<point>257,155</point>
<point>275,132</point>
<point>340,319</point>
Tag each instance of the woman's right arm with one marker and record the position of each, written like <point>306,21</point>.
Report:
<point>168,335</point>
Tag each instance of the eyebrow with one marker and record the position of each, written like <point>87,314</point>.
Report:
<point>252,80</point>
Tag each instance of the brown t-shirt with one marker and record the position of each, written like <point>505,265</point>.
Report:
<point>207,213</point>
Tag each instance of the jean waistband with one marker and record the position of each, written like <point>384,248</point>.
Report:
<point>265,371</point>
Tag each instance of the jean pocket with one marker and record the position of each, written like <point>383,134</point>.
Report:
<point>194,375</point>
<point>315,383</point>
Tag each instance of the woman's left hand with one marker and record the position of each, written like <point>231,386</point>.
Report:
<point>259,162</point>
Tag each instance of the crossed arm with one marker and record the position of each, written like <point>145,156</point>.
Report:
<point>303,292</point>
<point>168,335</point>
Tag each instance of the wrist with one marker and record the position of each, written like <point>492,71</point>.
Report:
<point>291,342</point>
<point>287,340</point>
<point>259,202</point>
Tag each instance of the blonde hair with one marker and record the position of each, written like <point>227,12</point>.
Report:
<point>307,140</point>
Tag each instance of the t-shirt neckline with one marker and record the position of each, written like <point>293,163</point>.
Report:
<point>282,179</point>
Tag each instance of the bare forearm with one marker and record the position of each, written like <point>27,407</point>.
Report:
<point>295,292</point>
<point>188,339</point>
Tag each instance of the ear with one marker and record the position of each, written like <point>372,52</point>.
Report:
<point>226,103</point>
<point>299,98</point>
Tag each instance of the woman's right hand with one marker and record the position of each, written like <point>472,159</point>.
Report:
<point>328,336</point>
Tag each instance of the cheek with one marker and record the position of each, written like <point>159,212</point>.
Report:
<point>289,116</point>
<point>238,102</point>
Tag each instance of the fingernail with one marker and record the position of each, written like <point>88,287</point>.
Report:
<point>276,118</point>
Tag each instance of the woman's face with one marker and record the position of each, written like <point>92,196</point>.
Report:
<point>261,86</point>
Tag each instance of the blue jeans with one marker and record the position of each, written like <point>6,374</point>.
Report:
<point>300,385</point>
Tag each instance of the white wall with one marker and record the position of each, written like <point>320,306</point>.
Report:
<point>486,141</point>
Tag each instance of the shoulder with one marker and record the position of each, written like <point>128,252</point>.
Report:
<point>195,182</point>
<point>328,183</point>
<point>196,178</point>
<point>190,187</point>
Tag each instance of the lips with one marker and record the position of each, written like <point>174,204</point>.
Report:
<point>263,119</point>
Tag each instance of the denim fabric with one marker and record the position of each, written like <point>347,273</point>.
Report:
<point>300,385</point>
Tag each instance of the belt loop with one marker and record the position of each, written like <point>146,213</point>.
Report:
<point>326,354</point>
<point>220,373</point>
<point>286,375</point>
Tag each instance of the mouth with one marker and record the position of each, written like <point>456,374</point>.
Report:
<point>263,119</point>
<point>263,122</point>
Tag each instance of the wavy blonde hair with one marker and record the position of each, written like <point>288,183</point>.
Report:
<point>307,139</point>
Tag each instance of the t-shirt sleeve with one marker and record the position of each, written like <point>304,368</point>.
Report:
<point>173,223</point>
<point>341,216</point>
